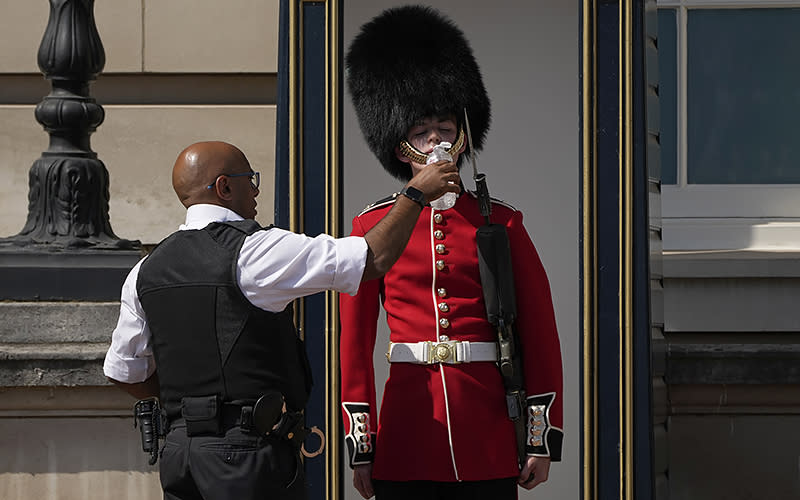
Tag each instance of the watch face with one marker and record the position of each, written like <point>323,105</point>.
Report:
<point>414,194</point>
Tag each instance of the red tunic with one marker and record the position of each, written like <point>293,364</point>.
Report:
<point>447,422</point>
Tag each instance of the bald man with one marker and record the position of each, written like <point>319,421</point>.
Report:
<point>206,325</point>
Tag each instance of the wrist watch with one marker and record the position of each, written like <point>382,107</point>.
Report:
<point>414,195</point>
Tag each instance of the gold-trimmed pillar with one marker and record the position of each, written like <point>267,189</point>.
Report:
<point>308,200</point>
<point>616,446</point>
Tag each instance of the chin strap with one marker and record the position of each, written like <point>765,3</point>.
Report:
<point>418,156</point>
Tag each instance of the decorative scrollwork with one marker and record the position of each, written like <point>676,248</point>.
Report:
<point>68,185</point>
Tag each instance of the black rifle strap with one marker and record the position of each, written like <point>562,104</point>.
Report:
<point>497,276</point>
<point>497,280</point>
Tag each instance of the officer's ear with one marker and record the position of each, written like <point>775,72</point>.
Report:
<point>400,156</point>
<point>222,188</point>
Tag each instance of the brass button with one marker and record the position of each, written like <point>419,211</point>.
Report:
<point>443,338</point>
<point>441,292</point>
<point>536,441</point>
<point>439,264</point>
<point>437,217</point>
<point>444,307</point>
<point>362,417</point>
<point>440,248</point>
<point>444,323</point>
<point>438,234</point>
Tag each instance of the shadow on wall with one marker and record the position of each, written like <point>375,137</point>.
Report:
<point>70,445</point>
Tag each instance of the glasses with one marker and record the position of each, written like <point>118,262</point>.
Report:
<point>255,179</point>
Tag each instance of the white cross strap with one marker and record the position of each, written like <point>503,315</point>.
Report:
<point>450,351</point>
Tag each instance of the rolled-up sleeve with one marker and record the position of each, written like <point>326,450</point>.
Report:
<point>277,266</point>
<point>352,258</point>
<point>130,357</point>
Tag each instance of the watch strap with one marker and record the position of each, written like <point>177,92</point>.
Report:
<point>414,195</point>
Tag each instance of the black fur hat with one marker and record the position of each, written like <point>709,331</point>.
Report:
<point>408,63</point>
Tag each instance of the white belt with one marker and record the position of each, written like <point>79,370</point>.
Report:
<point>450,351</point>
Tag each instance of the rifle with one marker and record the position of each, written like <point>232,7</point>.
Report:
<point>497,280</point>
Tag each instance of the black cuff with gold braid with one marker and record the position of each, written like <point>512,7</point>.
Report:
<point>543,439</point>
<point>360,440</point>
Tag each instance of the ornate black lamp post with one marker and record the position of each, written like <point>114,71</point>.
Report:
<point>67,250</point>
<point>68,185</point>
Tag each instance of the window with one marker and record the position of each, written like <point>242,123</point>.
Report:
<point>730,124</point>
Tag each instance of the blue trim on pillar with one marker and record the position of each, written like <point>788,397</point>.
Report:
<point>312,171</point>
<point>282,154</point>
<point>608,234</point>
<point>609,126</point>
<point>314,153</point>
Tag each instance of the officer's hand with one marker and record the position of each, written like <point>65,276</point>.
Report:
<point>437,179</point>
<point>535,471</point>
<point>362,480</point>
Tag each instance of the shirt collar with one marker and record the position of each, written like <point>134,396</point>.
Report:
<point>200,215</point>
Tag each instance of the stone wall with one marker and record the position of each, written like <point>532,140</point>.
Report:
<point>733,340</point>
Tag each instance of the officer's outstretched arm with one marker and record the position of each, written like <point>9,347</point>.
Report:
<point>388,238</point>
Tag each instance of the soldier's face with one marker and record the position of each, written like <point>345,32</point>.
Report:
<point>429,132</point>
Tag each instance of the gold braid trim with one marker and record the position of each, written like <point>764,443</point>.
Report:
<point>418,156</point>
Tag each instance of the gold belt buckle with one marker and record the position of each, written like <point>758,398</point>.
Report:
<point>443,352</point>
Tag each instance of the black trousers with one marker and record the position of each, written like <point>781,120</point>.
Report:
<point>492,489</point>
<point>237,466</point>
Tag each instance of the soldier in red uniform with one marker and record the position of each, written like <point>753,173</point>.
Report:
<point>443,430</point>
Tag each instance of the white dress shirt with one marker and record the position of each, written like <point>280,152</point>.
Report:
<point>274,268</point>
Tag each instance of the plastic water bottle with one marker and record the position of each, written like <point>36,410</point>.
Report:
<point>440,153</point>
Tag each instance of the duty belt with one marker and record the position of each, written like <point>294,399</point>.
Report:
<point>267,416</point>
<point>449,351</point>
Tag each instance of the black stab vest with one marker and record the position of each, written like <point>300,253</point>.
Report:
<point>207,337</point>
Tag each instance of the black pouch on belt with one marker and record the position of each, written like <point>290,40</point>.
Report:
<point>201,415</point>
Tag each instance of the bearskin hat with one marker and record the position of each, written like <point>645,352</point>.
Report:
<point>404,65</point>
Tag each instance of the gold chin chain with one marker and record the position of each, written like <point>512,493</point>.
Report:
<point>418,156</point>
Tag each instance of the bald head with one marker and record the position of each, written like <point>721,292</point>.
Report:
<point>199,165</point>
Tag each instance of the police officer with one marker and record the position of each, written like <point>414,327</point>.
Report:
<point>443,429</point>
<point>205,324</point>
